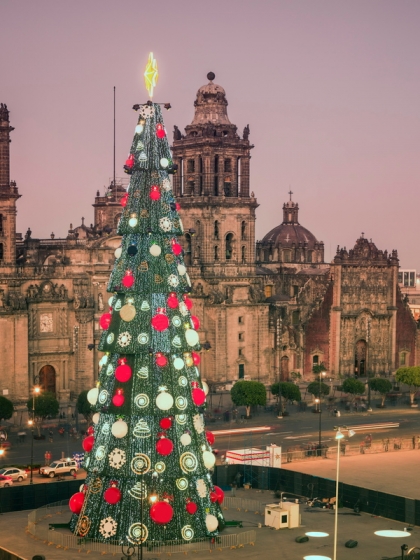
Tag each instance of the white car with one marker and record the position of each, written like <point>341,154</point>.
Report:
<point>14,473</point>
<point>66,466</point>
<point>5,481</point>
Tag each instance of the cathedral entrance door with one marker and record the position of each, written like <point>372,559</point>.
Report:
<point>284,369</point>
<point>360,358</point>
<point>47,377</point>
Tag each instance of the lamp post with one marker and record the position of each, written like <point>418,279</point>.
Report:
<point>338,436</point>
<point>318,401</point>
<point>31,423</point>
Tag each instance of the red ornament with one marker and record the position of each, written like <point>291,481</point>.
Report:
<point>210,438</point>
<point>123,372</point>
<point>172,300</point>
<point>196,358</point>
<point>165,423</point>
<point>105,321</point>
<point>118,398</point>
<point>124,200</point>
<point>88,443</point>
<point>160,321</point>
<point>164,446</point>
<point>220,494</point>
<point>90,431</point>
<point>196,322</point>
<point>112,495</point>
<point>161,360</point>
<point>188,303</point>
<point>76,502</point>
<point>176,248</point>
<point>154,192</point>
<point>198,396</point>
<point>213,497</point>
<point>160,131</point>
<point>191,508</point>
<point>161,513</point>
<point>128,279</point>
<point>130,161</point>
<point>177,206</point>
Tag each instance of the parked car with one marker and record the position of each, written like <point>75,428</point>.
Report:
<point>14,473</point>
<point>5,481</point>
<point>67,466</point>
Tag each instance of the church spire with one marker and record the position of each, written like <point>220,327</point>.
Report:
<point>290,211</point>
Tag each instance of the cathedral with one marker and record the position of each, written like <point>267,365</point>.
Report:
<point>269,309</point>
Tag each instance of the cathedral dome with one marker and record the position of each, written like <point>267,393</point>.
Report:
<point>210,104</point>
<point>287,234</point>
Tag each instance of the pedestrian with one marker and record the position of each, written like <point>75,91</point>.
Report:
<point>362,448</point>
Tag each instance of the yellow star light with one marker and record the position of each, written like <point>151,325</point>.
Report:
<point>151,74</point>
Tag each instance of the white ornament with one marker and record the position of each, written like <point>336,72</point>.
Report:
<point>187,532</point>
<point>111,299</point>
<point>191,336</point>
<point>173,280</point>
<point>146,111</point>
<point>181,269</point>
<point>118,252</point>
<point>164,401</point>
<point>211,523</point>
<point>92,395</point>
<point>198,422</point>
<point>155,250</point>
<point>110,338</point>
<point>164,162</point>
<point>205,387</point>
<point>166,185</point>
<point>100,453</point>
<point>201,488</point>
<point>103,396</point>
<point>185,439</point>
<point>132,222</point>
<point>209,459</point>
<point>124,339</point>
<point>95,418</point>
<point>103,360</point>
<point>110,369</point>
<point>141,429</point>
<point>183,309</point>
<point>117,458</point>
<point>188,279</point>
<point>165,224</point>
<point>139,129</point>
<point>108,527</point>
<point>119,429</point>
<point>178,363</point>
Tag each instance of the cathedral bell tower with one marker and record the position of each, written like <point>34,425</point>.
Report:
<point>8,194</point>
<point>212,187</point>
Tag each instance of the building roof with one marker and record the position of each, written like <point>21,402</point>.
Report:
<point>287,234</point>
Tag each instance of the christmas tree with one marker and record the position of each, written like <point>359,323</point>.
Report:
<point>148,456</point>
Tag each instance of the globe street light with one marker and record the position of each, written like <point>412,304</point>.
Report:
<point>318,401</point>
<point>31,423</point>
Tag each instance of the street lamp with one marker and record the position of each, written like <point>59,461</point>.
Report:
<point>338,436</point>
<point>31,423</point>
<point>318,401</point>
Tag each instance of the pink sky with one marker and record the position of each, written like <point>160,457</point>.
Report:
<point>330,89</point>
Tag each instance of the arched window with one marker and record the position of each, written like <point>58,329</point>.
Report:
<point>1,223</point>
<point>243,257</point>
<point>243,230</point>
<point>216,176</point>
<point>47,378</point>
<point>229,246</point>
<point>216,229</point>
<point>187,252</point>
<point>197,228</point>
<point>1,252</point>
<point>403,358</point>
<point>216,253</point>
<point>315,360</point>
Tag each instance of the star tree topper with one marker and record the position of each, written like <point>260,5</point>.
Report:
<point>151,74</point>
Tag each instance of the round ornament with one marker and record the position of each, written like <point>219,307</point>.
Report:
<point>209,459</point>
<point>181,403</point>
<point>140,464</point>
<point>160,467</point>
<point>164,401</point>
<point>220,494</point>
<point>191,508</point>
<point>181,418</point>
<point>161,360</point>
<point>76,502</point>
<point>139,129</point>
<point>132,250</point>
<point>103,396</point>
<point>187,533</point>
<point>181,269</point>
<point>166,185</point>
<point>92,395</point>
<point>123,200</point>
<point>196,358</point>
<point>188,462</point>
<point>95,417</point>
<point>160,321</point>
<point>154,192</point>
<point>178,364</point>
<point>198,396</point>
<point>137,533</point>
<point>161,512</point>
<point>181,483</point>
<point>88,443</point>
<point>141,400</point>
<point>124,339</point>
<point>110,338</point>
<point>160,131</point>
<point>195,321</point>
<point>182,381</point>
<point>155,250</point>
<point>165,224</point>
<point>164,162</point>
<point>185,439</point>
<point>100,453</point>
<point>210,438</point>
<point>176,249</point>
<point>112,495</point>
<point>173,281</point>
<point>118,399</point>
<point>213,497</point>
<point>143,338</point>
<point>84,526</point>
<point>127,312</point>
<point>191,337</point>
<point>132,222</point>
<point>128,279</point>
<point>188,359</point>
<point>119,429</point>
<point>123,372</point>
<point>211,523</point>
<point>117,458</point>
<point>172,300</point>
<point>105,321</point>
<point>176,321</point>
<point>118,252</point>
<point>164,446</point>
<point>108,527</point>
<point>165,423</point>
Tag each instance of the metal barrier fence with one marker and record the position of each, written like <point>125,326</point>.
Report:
<point>40,519</point>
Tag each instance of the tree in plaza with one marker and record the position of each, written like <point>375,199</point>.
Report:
<point>317,369</point>
<point>148,456</point>
<point>6,408</point>
<point>353,387</point>
<point>84,407</point>
<point>318,389</point>
<point>248,393</point>
<point>46,405</point>
<point>381,386</point>
<point>409,376</point>
<point>289,391</point>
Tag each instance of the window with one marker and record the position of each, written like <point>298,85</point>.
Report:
<point>315,360</point>
<point>191,187</point>
<point>241,372</point>
<point>229,246</point>
<point>240,352</point>
<point>1,252</point>
<point>241,336</point>
<point>295,291</point>
<point>216,253</point>
<point>243,230</point>
<point>243,258</point>
<point>1,222</point>
<point>228,165</point>
<point>286,256</point>
<point>403,356</point>
<point>190,166</point>
<point>240,320</point>
<point>310,256</point>
<point>295,317</point>
<point>268,291</point>
<point>187,253</point>
<point>216,229</point>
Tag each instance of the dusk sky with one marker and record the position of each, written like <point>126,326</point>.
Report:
<point>330,89</point>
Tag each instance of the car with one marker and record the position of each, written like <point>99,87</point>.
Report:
<point>65,466</point>
<point>5,481</point>
<point>5,444</point>
<point>14,473</point>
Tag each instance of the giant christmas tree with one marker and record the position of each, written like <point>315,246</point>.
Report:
<point>148,456</point>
